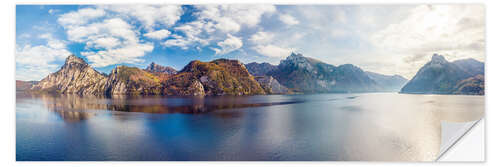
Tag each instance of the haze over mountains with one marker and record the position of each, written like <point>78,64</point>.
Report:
<point>439,76</point>
<point>295,74</point>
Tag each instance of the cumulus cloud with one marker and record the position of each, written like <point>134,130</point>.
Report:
<point>158,35</point>
<point>214,22</point>
<point>288,19</point>
<point>196,32</point>
<point>82,16</point>
<point>248,15</point>
<point>273,50</point>
<point>110,40</point>
<point>125,54</point>
<point>232,43</point>
<point>36,62</point>
<point>261,37</point>
<point>149,15</point>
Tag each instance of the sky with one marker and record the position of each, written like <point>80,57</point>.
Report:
<point>387,39</point>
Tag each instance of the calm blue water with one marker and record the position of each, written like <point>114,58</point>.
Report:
<point>375,126</point>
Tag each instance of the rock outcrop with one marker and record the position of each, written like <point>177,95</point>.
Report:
<point>74,77</point>
<point>271,85</point>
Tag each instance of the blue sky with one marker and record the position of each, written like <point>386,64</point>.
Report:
<point>390,39</point>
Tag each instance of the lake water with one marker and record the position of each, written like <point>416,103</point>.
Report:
<point>372,126</point>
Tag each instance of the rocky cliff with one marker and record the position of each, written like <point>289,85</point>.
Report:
<point>74,77</point>
<point>271,85</point>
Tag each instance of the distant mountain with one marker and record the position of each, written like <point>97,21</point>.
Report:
<point>24,85</point>
<point>267,82</point>
<point>271,85</point>
<point>260,69</point>
<point>155,68</point>
<point>74,77</point>
<point>218,77</point>
<point>391,83</point>
<point>304,74</point>
<point>442,77</point>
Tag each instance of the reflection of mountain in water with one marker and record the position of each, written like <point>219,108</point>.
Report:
<point>76,107</point>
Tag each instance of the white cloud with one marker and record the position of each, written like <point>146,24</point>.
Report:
<point>196,32</point>
<point>225,24</point>
<point>53,11</point>
<point>248,15</point>
<point>288,19</point>
<point>272,51</point>
<point>108,41</point>
<point>340,16</point>
<point>82,16</point>
<point>158,35</point>
<point>214,22</point>
<point>261,37</point>
<point>453,30</point>
<point>36,62</point>
<point>149,15</point>
<point>104,42</point>
<point>232,43</point>
<point>125,54</point>
<point>337,33</point>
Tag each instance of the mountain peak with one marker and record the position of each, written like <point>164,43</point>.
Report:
<point>72,59</point>
<point>437,58</point>
<point>153,67</point>
<point>295,55</point>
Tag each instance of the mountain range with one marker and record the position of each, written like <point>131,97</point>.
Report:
<point>295,74</point>
<point>440,76</point>
<point>308,75</point>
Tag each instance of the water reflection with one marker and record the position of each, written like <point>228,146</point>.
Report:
<point>77,107</point>
<point>381,126</point>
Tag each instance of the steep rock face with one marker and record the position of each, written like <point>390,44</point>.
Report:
<point>390,83</point>
<point>132,80</point>
<point>218,77</point>
<point>442,77</point>
<point>75,77</point>
<point>271,85</point>
<point>155,68</point>
<point>303,74</point>
<point>260,69</point>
